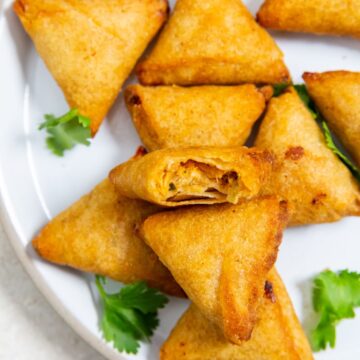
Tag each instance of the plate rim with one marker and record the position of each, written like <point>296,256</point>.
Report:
<point>13,238</point>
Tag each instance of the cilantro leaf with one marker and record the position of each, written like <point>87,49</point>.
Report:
<point>335,295</point>
<point>116,330</point>
<point>329,140</point>
<point>143,298</point>
<point>323,335</point>
<point>130,315</point>
<point>331,145</point>
<point>66,131</point>
<point>305,97</point>
<point>279,88</point>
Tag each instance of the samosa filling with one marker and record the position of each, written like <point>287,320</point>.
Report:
<point>192,180</point>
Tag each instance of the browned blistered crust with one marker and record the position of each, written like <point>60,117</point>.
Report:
<point>221,268</point>
<point>317,185</point>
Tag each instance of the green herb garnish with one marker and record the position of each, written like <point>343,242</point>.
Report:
<point>304,95</point>
<point>172,187</point>
<point>335,295</point>
<point>279,88</point>
<point>331,145</point>
<point>66,131</point>
<point>130,315</point>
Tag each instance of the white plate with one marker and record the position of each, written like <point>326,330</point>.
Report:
<point>35,186</point>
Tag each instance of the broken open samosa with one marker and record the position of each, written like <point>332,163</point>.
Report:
<point>336,95</point>
<point>213,42</point>
<point>335,17</point>
<point>307,173</point>
<point>194,175</point>
<point>91,46</point>
<point>173,116</point>
<point>221,255</point>
<point>277,334</point>
<point>97,234</point>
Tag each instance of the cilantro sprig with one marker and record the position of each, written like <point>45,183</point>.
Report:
<point>130,315</point>
<point>305,97</point>
<point>279,88</point>
<point>331,145</point>
<point>329,139</point>
<point>65,131</point>
<point>335,296</point>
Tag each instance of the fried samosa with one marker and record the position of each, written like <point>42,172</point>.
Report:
<point>194,175</point>
<point>97,234</point>
<point>91,46</point>
<point>277,334</point>
<point>316,183</point>
<point>173,116</point>
<point>337,94</point>
<point>213,42</point>
<point>335,17</point>
<point>221,255</point>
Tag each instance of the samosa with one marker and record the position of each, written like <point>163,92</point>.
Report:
<point>213,42</point>
<point>221,255</point>
<point>321,17</point>
<point>336,95</point>
<point>194,175</point>
<point>174,116</point>
<point>277,334</point>
<point>98,234</point>
<point>91,46</point>
<point>307,173</point>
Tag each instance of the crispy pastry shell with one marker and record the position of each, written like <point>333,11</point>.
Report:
<point>337,94</point>
<point>213,42</point>
<point>277,334</point>
<point>194,175</point>
<point>173,116</point>
<point>91,46</point>
<point>317,185</point>
<point>98,234</point>
<point>221,255</point>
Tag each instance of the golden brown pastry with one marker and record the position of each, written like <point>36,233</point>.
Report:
<point>91,46</point>
<point>337,94</point>
<point>97,234</point>
<point>221,255</point>
<point>173,116</point>
<point>317,185</point>
<point>194,175</point>
<point>213,42</point>
<point>336,17</point>
<point>277,334</point>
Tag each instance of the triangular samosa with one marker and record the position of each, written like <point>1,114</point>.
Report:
<point>194,175</point>
<point>308,174</point>
<point>213,42</point>
<point>321,17</point>
<point>91,46</point>
<point>277,334</point>
<point>98,234</point>
<point>173,116</point>
<point>337,94</point>
<point>221,255</point>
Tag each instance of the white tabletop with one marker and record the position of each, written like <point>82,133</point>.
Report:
<point>29,327</point>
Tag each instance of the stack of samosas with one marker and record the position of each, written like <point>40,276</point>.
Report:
<point>201,215</point>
